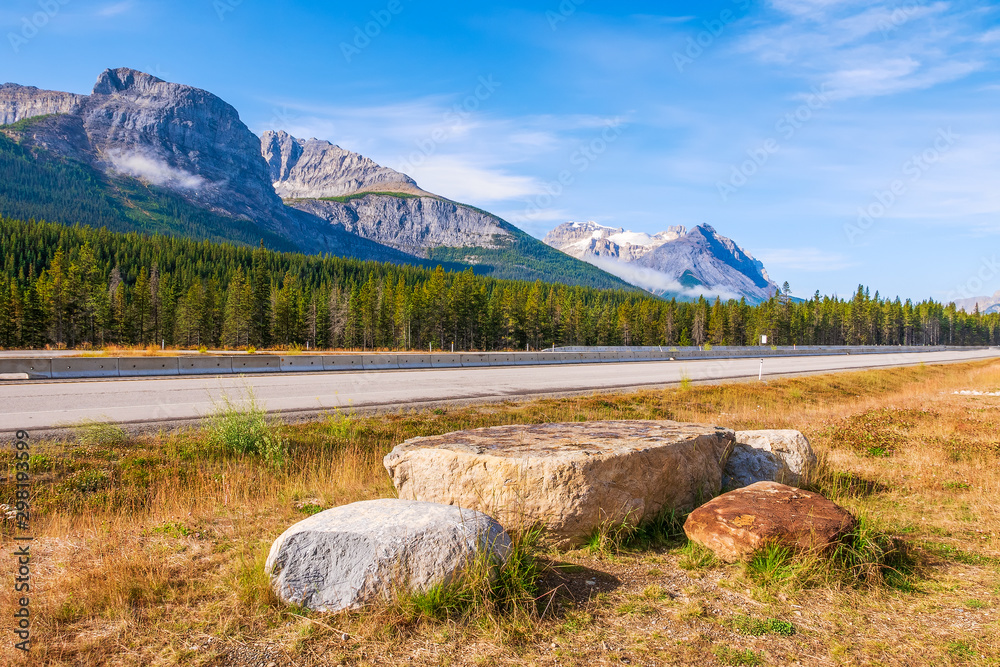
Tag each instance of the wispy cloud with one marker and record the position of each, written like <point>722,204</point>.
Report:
<point>865,50</point>
<point>115,9</point>
<point>656,281</point>
<point>155,170</point>
<point>463,154</point>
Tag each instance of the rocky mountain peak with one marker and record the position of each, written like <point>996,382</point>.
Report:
<point>313,168</point>
<point>674,262</point>
<point>123,79</point>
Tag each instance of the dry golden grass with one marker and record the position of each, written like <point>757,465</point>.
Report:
<point>150,550</point>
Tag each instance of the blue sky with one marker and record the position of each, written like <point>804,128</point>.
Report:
<point>841,142</point>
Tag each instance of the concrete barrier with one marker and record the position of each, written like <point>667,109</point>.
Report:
<point>446,361</point>
<point>97,367</point>
<point>191,365</point>
<point>148,366</point>
<point>617,356</point>
<point>475,360</point>
<point>414,361</point>
<point>558,358</point>
<point>343,362</point>
<point>34,368</point>
<point>84,367</point>
<point>256,363</point>
<point>381,362</point>
<point>298,363</point>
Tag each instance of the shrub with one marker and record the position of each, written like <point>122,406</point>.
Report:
<point>100,434</point>
<point>243,429</point>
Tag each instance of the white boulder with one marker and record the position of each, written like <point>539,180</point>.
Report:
<point>782,456</point>
<point>350,556</point>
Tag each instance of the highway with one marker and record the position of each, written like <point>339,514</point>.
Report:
<point>47,404</point>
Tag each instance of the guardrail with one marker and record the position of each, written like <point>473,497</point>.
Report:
<point>128,367</point>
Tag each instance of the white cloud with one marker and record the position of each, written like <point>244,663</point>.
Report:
<point>462,180</point>
<point>154,170</point>
<point>656,281</point>
<point>804,259</point>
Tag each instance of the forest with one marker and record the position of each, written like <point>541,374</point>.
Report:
<point>79,287</point>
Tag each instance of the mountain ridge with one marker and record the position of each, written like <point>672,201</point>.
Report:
<point>171,158</point>
<point>676,262</point>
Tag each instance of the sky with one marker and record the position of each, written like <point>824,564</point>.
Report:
<point>841,142</point>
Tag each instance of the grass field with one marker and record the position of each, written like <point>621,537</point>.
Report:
<point>150,549</point>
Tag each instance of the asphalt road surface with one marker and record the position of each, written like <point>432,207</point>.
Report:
<point>47,404</point>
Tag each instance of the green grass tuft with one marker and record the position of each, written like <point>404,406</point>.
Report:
<point>733,656</point>
<point>757,627</point>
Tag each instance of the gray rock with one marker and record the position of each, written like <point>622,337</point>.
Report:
<point>20,102</point>
<point>312,168</point>
<point>353,555</point>
<point>782,456</point>
<point>413,225</point>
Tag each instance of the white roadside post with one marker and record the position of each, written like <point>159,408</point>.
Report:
<point>760,374</point>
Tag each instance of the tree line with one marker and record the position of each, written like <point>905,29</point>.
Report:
<point>79,287</point>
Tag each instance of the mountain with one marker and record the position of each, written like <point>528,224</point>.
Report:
<point>355,194</point>
<point>675,262</point>
<point>139,153</point>
<point>143,154</point>
<point>986,304</point>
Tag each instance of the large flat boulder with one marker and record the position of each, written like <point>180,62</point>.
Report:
<point>570,478</point>
<point>777,455</point>
<point>353,555</point>
<point>739,523</point>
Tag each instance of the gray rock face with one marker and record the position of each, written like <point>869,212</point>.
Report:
<point>413,225</point>
<point>782,456</point>
<point>179,137</point>
<point>168,134</point>
<point>701,260</point>
<point>713,260</point>
<point>311,168</point>
<point>20,102</point>
<point>570,478</point>
<point>350,556</point>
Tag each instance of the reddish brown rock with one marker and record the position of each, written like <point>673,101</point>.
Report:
<point>737,524</point>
